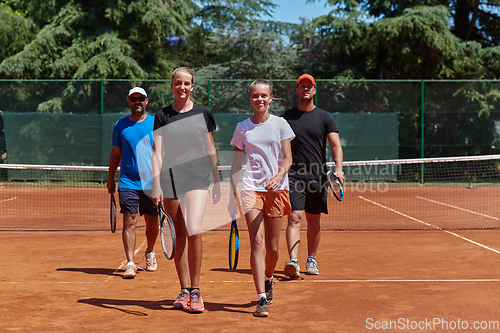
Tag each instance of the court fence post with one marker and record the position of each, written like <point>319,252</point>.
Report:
<point>422,131</point>
<point>208,93</point>
<point>102,127</point>
<point>316,95</point>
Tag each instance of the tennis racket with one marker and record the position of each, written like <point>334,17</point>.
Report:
<point>112,213</point>
<point>167,233</point>
<point>234,244</point>
<point>335,185</point>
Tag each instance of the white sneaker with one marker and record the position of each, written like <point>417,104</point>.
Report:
<point>151,265</point>
<point>130,270</point>
<point>311,266</point>
<point>292,269</point>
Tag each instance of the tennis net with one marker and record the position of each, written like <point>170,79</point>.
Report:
<point>413,194</point>
<point>53,198</point>
<point>417,194</point>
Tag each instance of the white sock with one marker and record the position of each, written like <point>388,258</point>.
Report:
<point>269,278</point>
<point>262,295</point>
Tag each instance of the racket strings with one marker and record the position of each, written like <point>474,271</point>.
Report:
<point>167,233</point>
<point>335,185</point>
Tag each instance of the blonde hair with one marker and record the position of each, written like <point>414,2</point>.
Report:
<point>262,83</point>
<point>188,71</point>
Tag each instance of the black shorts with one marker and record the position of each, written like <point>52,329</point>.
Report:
<point>308,195</point>
<point>133,201</point>
<point>192,175</point>
<point>175,188</point>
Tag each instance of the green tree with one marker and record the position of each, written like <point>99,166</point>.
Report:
<point>125,39</point>
<point>96,39</point>
<point>120,39</point>
<point>251,50</point>
<point>15,31</point>
<point>406,41</point>
<point>471,20</point>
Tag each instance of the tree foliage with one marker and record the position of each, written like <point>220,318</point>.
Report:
<point>96,39</point>
<point>147,38</point>
<point>471,20</point>
<point>417,40</point>
<point>118,39</point>
<point>251,51</point>
<point>408,40</point>
<point>15,31</point>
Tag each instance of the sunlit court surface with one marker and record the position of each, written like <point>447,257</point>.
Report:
<point>394,256</point>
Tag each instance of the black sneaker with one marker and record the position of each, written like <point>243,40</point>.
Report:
<point>262,309</point>
<point>269,291</point>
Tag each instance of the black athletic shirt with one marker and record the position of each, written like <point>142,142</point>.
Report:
<point>184,138</point>
<point>309,146</point>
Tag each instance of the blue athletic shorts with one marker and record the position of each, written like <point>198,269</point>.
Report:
<point>308,195</point>
<point>132,201</point>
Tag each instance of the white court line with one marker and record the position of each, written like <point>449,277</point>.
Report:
<point>396,280</point>
<point>140,247</point>
<point>430,225</point>
<point>9,199</point>
<point>465,210</point>
<point>373,280</point>
<point>289,281</point>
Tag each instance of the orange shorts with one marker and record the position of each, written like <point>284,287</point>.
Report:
<point>272,203</point>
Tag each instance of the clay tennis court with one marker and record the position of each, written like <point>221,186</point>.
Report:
<point>438,279</point>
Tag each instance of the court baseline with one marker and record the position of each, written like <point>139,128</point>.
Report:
<point>288,281</point>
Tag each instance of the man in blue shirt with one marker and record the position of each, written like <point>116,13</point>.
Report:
<point>133,147</point>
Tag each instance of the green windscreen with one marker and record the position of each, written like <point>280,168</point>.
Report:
<point>363,136</point>
<point>85,139</point>
<point>367,137</point>
<point>58,139</point>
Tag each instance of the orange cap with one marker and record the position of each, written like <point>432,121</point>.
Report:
<point>304,77</point>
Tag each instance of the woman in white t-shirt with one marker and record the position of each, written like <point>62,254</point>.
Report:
<point>265,139</point>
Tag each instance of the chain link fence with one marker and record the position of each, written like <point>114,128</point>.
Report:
<point>70,121</point>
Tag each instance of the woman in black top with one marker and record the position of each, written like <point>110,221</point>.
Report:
<point>184,157</point>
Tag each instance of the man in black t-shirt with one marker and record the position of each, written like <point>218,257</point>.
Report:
<point>307,176</point>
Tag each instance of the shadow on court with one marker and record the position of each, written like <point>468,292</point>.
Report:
<point>118,304</point>
<point>166,305</point>
<point>237,271</point>
<point>364,276</point>
<point>93,271</point>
